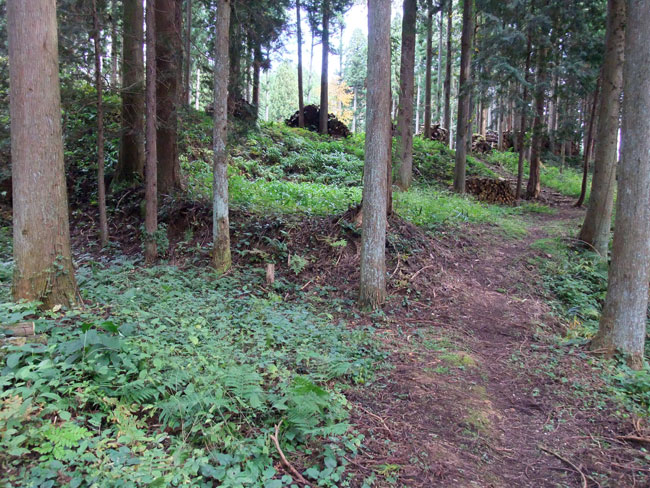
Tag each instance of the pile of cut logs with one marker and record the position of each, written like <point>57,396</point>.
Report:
<point>437,133</point>
<point>491,190</point>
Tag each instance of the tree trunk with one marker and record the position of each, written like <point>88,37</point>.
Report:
<point>623,322</point>
<point>341,55</point>
<point>221,258</point>
<point>464,97</point>
<point>168,65</point>
<point>188,52</point>
<point>427,74</point>
<point>43,264</point>
<point>311,65</point>
<point>197,94</point>
<point>322,122</point>
<point>405,117</point>
<point>417,107</point>
<point>130,165</point>
<point>522,124</point>
<point>534,188</point>
<point>597,224</point>
<point>499,126</point>
<point>235,78</point>
<point>372,292</point>
<point>101,184</point>
<point>301,101</point>
<point>354,111</point>
<point>257,65</point>
<point>114,44</point>
<point>447,118</point>
<point>151,170</point>
<point>588,147</point>
<point>438,75</point>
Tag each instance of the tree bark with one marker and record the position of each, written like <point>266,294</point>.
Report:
<point>588,147</point>
<point>151,170</point>
<point>417,106</point>
<point>221,257</point>
<point>322,122</point>
<point>372,292</point>
<point>598,221</point>
<point>235,79</point>
<point>101,184</point>
<point>534,187</point>
<point>168,92</point>
<point>427,74</point>
<point>623,322</point>
<point>439,74</point>
<point>197,94</point>
<point>301,101</point>
<point>405,116</point>
<point>354,111</point>
<point>257,65</point>
<point>43,264</point>
<point>187,85</point>
<point>130,164</point>
<point>464,97</point>
<point>447,117</point>
<point>114,45</point>
<point>522,124</point>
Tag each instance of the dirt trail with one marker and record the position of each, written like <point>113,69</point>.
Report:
<point>481,394</point>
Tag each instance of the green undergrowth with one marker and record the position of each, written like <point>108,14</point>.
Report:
<point>568,181</point>
<point>287,170</point>
<point>173,377</point>
<point>577,281</point>
<point>434,163</point>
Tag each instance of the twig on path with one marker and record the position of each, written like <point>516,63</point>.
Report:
<point>566,461</point>
<point>415,275</point>
<point>286,463</point>
<point>634,438</point>
<point>377,417</point>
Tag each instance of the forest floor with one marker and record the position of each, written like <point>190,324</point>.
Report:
<point>475,373</point>
<point>480,392</point>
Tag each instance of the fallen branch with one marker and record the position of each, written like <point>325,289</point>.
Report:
<point>375,416</point>
<point>566,461</point>
<point>634,438</point>
<point>287,464</point>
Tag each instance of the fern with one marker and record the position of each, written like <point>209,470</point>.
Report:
<point>59,440</point>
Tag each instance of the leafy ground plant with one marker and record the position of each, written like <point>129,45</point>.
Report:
<point>178,379</point>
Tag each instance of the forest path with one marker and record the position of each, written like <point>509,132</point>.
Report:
<point>481,393</point>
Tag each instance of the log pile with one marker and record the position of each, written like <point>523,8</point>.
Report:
<point>438,133</point>
<point>480,144</point>
<point>492,137</point>
<point>335,127</point>
<point>491,190</point>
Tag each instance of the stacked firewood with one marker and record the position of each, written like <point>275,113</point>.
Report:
<point>437,133</point>
<point>480,144</point>
<point>491,190</point>
<point>492,137</point>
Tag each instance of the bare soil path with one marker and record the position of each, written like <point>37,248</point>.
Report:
<point>480,393</point>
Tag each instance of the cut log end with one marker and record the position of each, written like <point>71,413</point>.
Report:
<point>21,329</point>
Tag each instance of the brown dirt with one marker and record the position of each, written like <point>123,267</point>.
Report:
<point>480,393</point>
